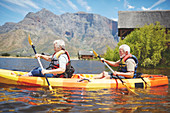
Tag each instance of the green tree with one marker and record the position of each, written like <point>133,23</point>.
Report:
<point>147,43</point>
<point>109,53</point>
<point>5,54</point>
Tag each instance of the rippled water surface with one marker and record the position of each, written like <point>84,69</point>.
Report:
<point>37,99</point>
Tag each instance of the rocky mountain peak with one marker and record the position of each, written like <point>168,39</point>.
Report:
<point>45,13</point>
<point>80,31</point>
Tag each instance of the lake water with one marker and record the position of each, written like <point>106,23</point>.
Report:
<point>31,99</point>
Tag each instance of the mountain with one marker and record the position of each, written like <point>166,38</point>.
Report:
<point>80,31</point>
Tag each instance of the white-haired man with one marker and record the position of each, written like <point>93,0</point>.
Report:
<point>60,64</point>
<point>127,64</point>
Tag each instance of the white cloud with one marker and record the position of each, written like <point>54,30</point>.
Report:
<point>145,9</point>
<point>130,7</point>
<point>115,19</point>
<point>60,2</point>
<point>14,10</point>
<point>154,5</point>
<point>84,4</point>
<point>72,5</point>
<point>50,2</point>
<point>52,5</point>
<point>127,5</point>
<point>24,3</point>
<point>157,3</point>
<point>158,9</point>
<point>6,6</point>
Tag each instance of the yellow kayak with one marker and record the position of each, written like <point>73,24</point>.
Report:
<point>81,81</point>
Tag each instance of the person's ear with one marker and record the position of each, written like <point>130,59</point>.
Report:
<point>126,52</point>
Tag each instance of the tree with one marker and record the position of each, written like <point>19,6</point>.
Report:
<point>5,54</point>
<point>147,43</point>
<point>109,53</point>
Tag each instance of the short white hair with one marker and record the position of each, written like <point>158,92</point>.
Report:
<point>60,43</point>
<point>125,48</point>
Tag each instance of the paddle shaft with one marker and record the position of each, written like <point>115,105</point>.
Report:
<point>33,47</point>
<point>39,61</point>
<point>118,76</point>
<point>112,70</point>
<point>145,82</point>
<point>106,64</point>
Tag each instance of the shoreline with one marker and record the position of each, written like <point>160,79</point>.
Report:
<point>14,57</point>
<point>75,58</point>
<point>72,58</point>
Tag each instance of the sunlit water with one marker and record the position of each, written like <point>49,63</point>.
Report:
<point>32,99</point>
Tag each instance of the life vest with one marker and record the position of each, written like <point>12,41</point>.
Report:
<point>123,66</point>
<point>55,64</point>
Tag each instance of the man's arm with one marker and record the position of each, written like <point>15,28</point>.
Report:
<point>114,64</point>
<point>62,66</point>
<point>45,57</point>
<point>129,74</point>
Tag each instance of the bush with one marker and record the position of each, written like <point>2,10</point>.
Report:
<point>147,63</point>
<point>148,44</point>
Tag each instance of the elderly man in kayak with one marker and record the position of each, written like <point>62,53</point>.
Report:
<point>60,65</point>
<point>127,65</point>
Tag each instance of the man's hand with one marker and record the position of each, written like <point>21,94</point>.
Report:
<point>102,60</point>
<point>115,73</point>
<point>44,71</point>
<point>37,55</point>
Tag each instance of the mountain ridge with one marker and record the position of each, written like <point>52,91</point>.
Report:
<point>80,31</point>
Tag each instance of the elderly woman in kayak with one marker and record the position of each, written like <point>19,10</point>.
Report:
<point>60,64</point>
<point>127,65</point>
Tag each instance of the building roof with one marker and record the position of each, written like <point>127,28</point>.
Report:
<point>135,19</point>
<point>85,53</point>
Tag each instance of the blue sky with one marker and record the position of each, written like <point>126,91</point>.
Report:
<point>15,10</point>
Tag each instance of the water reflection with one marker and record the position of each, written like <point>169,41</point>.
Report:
<point>31,99</point>
<point>24,99</point>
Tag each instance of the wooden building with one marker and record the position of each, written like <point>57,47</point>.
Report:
<point>85,55</point>
<point>129,20</point>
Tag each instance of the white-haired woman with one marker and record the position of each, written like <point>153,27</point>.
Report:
<point>127,64</point>
<point>60,64</point>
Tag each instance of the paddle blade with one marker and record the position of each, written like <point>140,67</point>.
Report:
<point>29,40</point>
<point>130,89</point>
<point>95,53</point>
<point>51,89</point>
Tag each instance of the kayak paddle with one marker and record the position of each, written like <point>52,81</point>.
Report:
<point>145,82</point>
<point>116,75</point>
<point>39,61</point>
